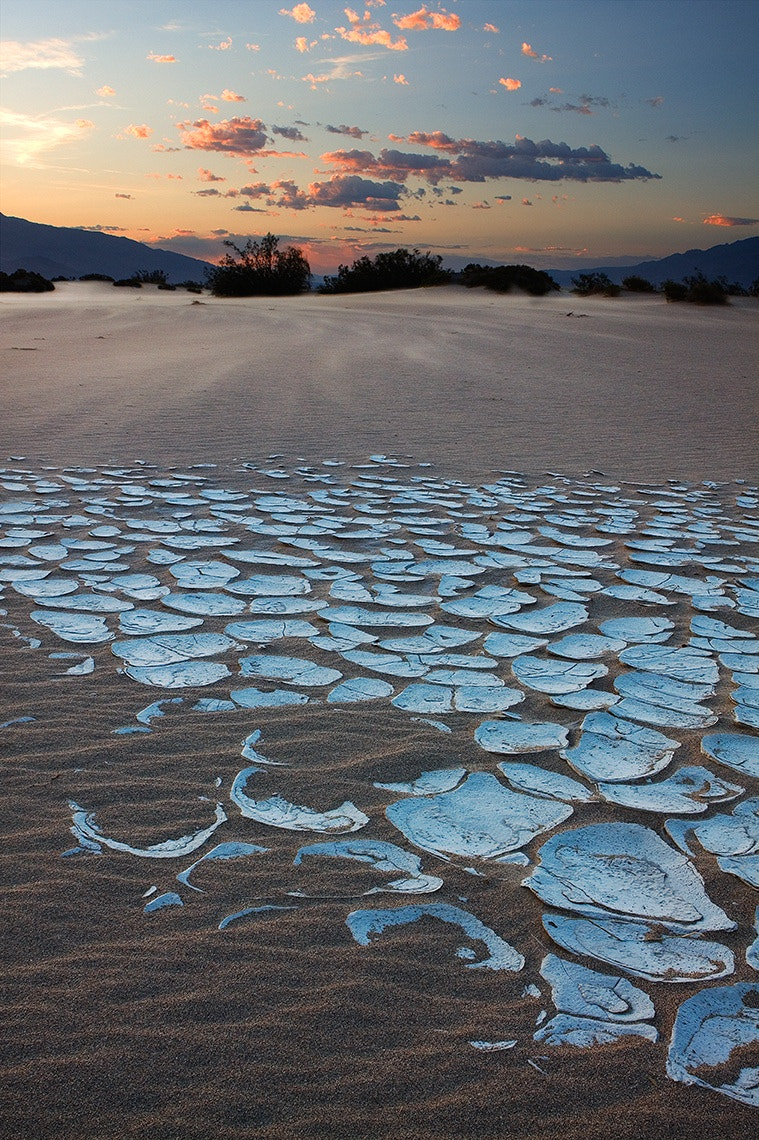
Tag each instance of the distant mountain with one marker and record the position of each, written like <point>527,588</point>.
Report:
<point>736,261</point>
<point>58,251</point>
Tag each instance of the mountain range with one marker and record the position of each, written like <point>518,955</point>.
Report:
<point>58,251</point>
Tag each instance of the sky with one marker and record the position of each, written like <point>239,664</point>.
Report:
<point>559,133</point>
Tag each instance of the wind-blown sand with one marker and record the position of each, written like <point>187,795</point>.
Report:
<point>466,379</point>
<point>118,1023</point>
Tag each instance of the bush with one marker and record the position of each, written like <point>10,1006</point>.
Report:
<point>95,277</point>
<point>24,281</point>
<point>637,284</point>
<point>128,283</point>
<point>260,269</point>
<point>399,269</point>
<point>504,278</point>
<point>595,285</point>
<point>697,289</point>
<point>151,277</point>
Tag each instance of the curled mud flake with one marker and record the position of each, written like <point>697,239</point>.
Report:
<point>170,898</point>
<point>715,1031</point>
<point>688,791</point>
<point>480,819</point>
<point>556,677</point>
<point>259,699</point>
<point>356,616</point>
<point>512,644</point>
<point>155,710</point>
<point>179,675</point>
<point>551,619</point>
<point>611,750</point>
<point>586,700</point>
<point>493,1046</point>
<point>80,629</point>
<point>624,870</point>
<point>586,1032</point>
<point>251,910</point>
<point>224,852</point>
<point>384,857</point>
<point>685,664</point>
<point>544,783</point>
<point>147,622</point>
<point>581,992</point>
<point>585,646</point>
<point>170,648</point>
<point>515,739</point>
<point>205,603</point>
<point>212,705</point>
<point>360,689</point>
<point>641,949</point>
<point>365,923</point>
<point>752,952</point>
<point>429,783</point>
<point>86,830</point>
<point>735,750</point>
<point>279,812</point>
<point>295,670</point>
<point>638,629</point>
<point>271,629</point>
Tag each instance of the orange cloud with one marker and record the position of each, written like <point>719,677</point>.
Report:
<point>301,13</point>
<point>253,47</point>
<point>511,84</point>
<point>401,79</point>
<point>225,45</point>
<point>239,136</point>
<point>491,28</point>
<point>528,51</point>
<point>161,58</point>
<point>105,92</point>
<point>41,54</point>
<point>363,32</point>
<point>302,44</point>
<point>423,20</point>
<point>556,90</point>
<point>138,131</point>
<point>232,96</point>
<point>208,176</point>
<point>727,220</point>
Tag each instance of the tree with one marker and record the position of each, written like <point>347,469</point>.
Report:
<point>152,276</point>
<point>399,269</point>
<point>24,281</point>
<point>260,269</point>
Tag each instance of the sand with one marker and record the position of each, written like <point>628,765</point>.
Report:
<point>121,1024</point>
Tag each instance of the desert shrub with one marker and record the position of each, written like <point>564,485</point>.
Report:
<point>698,290</point>
<point>636,284</point>
<point>595,285</point>
<point>504,278</point>
<point>399,269</point>
<point>260,268</point>
<point>128,283</point>
<point>96,277</point>
<point>24,281</point>
<point>152,276</point>
<point>674,290</point>
<point>168,288</point>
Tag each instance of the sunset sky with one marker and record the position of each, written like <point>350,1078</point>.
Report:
<point>556,132</point>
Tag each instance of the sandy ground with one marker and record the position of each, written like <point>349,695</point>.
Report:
<point>117,1024</point>
<point>468,380</point>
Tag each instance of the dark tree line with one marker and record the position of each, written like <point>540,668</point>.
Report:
<point>504,278</point>
<point>260,268</point>
<point>399,269</point>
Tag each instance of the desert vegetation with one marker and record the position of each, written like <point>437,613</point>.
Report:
<point>260,268</point>
<point>595,285</point>
<point>396,269</point>
<point>504,278</point>
<point>24,281</point>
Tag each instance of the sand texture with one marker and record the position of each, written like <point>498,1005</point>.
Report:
<point>188,446</point>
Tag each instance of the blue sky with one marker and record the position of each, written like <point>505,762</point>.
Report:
<point>556,132</point>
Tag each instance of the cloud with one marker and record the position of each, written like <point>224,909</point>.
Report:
<point>363,31</point>
<point>105,92</point>
<point>302,44</point>
<point>253,47</point>
<point>128,197</point>
<point>491,28</point>
<point>503,197</point>
<point>528,51</point>
<point>655,102</point>
<point>344,191</point>
<point>727,220</point>
<point>138,131</point>
<point>301,13</point>
<point>556,90</point>
<point>40,55</point>
<point>352,132</point>
<point>424,20</point>
<point>232,96</point>
<point>401,79</point>
<point>225,45</point>
<point>161,58</point>
<point>238,136</point>
<point>435,139</point>
<point>526,202</point>
<point>678,219</point>
<point>26,138</point>
<point>476,161</point>
<point>291,133</point>
<point>585,104</point>
<point>208,176</point>
<point>246,208</point>
<point>511,84</point>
